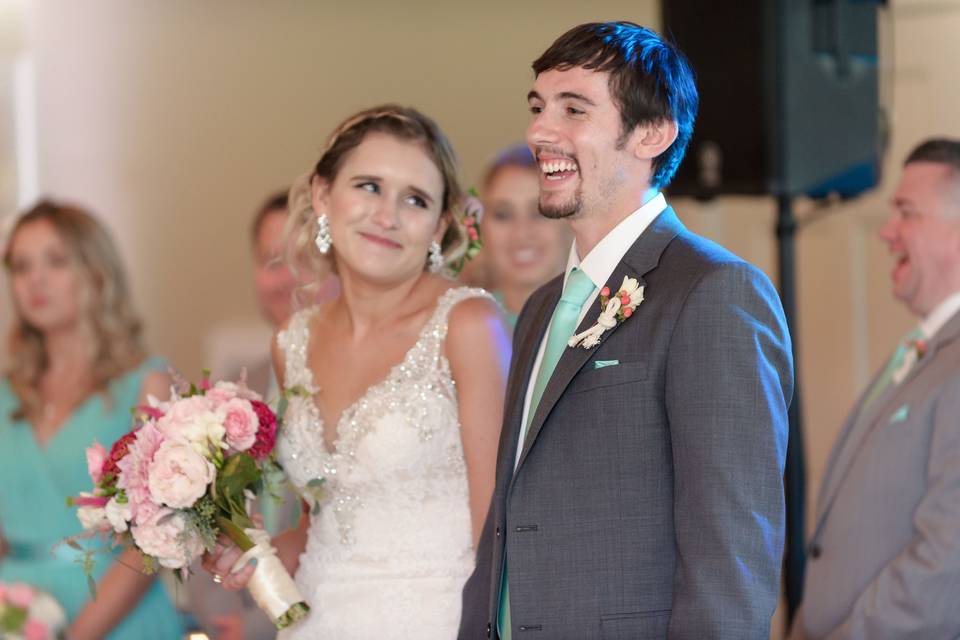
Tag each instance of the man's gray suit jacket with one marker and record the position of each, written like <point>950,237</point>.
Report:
<point>884,558</point>
<point>648,498</point>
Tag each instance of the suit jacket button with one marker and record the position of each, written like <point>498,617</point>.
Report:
<point>815,551</point>
<point>489,629</point>
<point>498,532</point>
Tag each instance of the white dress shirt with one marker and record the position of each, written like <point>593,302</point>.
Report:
<point>598,265</point>
<point>940,315</point>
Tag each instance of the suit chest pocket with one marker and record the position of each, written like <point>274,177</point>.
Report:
<point>608,376</point>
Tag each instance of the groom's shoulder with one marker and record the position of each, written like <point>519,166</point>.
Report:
<point>699,256</point>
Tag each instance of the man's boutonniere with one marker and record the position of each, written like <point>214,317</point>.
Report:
<point>616,309</point>
<point>920,346</point>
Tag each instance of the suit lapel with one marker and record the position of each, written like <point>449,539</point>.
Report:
<point>642,257</point>
<point>866,419</point>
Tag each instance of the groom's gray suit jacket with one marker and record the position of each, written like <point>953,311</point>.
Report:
<point>648,498</point>
<point>885,553</point>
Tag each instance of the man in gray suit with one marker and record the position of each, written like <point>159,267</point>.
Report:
<point>639,480</point>
<point>884,560</point>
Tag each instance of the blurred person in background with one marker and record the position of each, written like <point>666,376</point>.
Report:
<point>522,249</point>
<point>77,366</point>
<point>884,559</point>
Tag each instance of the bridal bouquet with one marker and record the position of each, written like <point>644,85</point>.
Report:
<point>184,475</point>
<point>26,613</point>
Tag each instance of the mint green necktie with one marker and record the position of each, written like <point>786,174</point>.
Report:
<point>576,292</point>
<point>896,361</point>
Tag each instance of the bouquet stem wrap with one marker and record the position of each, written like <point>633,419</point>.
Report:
<point>271,586</point>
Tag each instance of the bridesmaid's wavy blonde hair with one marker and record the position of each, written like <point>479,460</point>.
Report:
<point>107,314</point>
<point>405,124</point>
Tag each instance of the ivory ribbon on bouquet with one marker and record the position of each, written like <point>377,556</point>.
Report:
<point>271,586</point>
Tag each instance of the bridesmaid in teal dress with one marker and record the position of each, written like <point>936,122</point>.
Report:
<point>77,366</point>
<point>522,250</point>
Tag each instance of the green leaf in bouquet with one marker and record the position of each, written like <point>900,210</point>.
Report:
<point>149,565</point>
<point>92,587</point>
<point>12,619</point>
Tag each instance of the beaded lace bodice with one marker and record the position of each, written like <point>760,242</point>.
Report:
<point>394,498</point>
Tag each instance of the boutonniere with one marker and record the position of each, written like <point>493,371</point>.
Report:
<point>919,346</point>
<point>616,309</point>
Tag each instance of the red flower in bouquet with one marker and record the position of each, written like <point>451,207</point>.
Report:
<point>120,448</point>
<point>266,434</point>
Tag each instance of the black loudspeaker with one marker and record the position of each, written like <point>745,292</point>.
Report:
<point>789,96</point>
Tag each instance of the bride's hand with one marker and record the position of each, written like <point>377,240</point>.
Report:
<point>220,561</point>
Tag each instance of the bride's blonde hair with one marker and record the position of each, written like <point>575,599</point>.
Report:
<point>404,123</point>
<point>115,331</point>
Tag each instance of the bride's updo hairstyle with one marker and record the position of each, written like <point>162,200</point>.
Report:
<point>403,123</point>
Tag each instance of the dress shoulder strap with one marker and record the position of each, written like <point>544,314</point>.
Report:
<point>294,341</point>
<point>435,331</point>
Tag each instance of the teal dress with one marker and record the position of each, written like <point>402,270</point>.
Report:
<point>34,484</point>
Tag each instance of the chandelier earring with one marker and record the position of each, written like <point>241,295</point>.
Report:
<point>323,240</point>
<point>435,257</point>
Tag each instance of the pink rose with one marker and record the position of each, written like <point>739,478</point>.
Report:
<point>3,592</point>
<point>96,456</point>
<point>35,630</point>
<point>161,536</point>
<point>19,595</point>
<point>240,423</point>
<point>179,475</point>
<point>135,467</point>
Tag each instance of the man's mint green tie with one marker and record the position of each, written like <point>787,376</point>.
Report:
<point>893,364</point>
<point>563,324</point>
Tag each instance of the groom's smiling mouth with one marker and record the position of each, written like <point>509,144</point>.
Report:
<point>556,168</point>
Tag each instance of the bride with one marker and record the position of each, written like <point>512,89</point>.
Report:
<point>395,390</point>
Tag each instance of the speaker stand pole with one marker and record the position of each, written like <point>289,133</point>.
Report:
<point>794,477</point>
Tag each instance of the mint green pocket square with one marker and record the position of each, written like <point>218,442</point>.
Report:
<point>600,364</point>
<point>900,414</point>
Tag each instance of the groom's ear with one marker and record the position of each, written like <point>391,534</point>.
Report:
<point>650,140</point>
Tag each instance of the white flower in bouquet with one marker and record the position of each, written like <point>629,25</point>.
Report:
<point>92,516</point>
<point>118,514</point>
<point>179,475</point>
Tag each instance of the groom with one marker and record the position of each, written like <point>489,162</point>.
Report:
<point>639,489</point>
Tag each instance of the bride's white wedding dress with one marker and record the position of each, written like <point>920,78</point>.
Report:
<point>389,545</point>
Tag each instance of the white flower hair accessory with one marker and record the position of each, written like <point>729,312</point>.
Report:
<point>616,309</point>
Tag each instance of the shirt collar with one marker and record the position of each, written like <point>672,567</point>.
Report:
<point>607,254</point>
<point>939,316</point>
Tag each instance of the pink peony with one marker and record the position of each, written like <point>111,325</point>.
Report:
<point>179,475</point>
<point>224,392</point>
<point>266,434</point>
<point>19,595</point>
<point>241,424</point>
<point>183,411</point>
<point>96,456</point>
<point>35,630</point>
<point>134,467</point>
<point>161,536</point>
